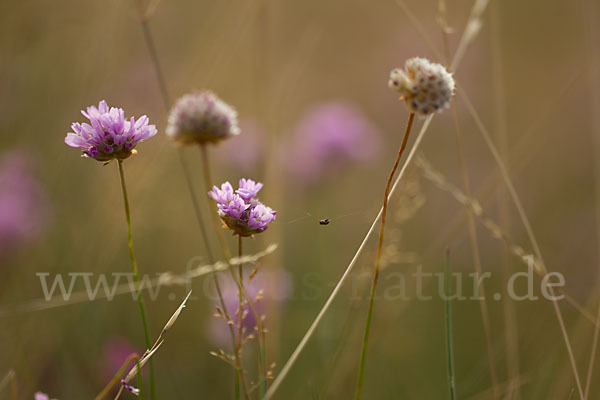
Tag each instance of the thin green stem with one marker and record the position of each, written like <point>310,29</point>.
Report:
<point>240,312</point>
<point>449,340</point>
<point>240,321</point>
<point>363,355</point>
<point>207,187</point>
<point>166,101</point>
<point>136,276</point>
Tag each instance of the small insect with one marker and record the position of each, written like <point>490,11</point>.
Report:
<point>324,221</point>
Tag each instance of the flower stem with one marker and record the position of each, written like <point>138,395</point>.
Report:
<point>449,340</point>
<point>240,306</point>
<point>241,321</point>
<point>363,355</point>
<point>207,187</point>
<point>136,277</point>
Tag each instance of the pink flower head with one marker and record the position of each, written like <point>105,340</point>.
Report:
<point>240,210</point>
<point>41,396</point>
<point>109,135</point>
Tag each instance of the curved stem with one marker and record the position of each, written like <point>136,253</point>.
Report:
<point>378,259</point>
<point>136,276</point>
<point>285,370</point>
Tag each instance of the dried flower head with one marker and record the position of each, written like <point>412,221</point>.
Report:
<point>109,135</point>
<point>202,117</point>
<point>240,210</point>
<point>426,87</point>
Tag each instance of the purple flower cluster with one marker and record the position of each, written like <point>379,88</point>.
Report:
<point>240,210</point>
<point>109,135</point>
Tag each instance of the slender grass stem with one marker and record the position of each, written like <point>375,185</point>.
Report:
<point>240,380</point>
<point>528,229</point>
<point>500,117</point>
<point>475,255</point>
<point>136,276</point>
<point>166,101</point>
<point>285,370</point>
<point>365,343</point>
<point>260,334</point>
<point>207,176</point>
<point>239,281</point>
<point>449,340</point>
<point>240,321</point>
<point>474,242</point>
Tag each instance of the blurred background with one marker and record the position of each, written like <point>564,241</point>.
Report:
<point>321,129</point>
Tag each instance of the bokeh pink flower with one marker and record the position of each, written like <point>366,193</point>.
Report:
<point>330,137</point>
<point>277,287</point>
<point>24,206</point>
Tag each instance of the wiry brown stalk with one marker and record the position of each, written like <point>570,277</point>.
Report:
<point>478,8</point>
<point>336,290</point>
<point>378,258</point>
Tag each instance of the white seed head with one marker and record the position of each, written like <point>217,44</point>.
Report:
<point>426,87</point>
<point>202,117</point>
